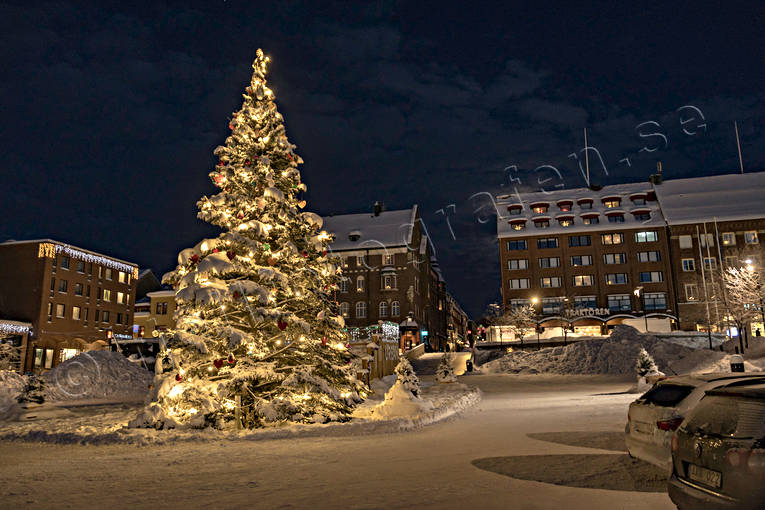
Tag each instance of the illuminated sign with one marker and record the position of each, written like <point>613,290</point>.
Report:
<point>424,332</point>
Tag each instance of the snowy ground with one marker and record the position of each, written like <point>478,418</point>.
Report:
<point>478,459</point>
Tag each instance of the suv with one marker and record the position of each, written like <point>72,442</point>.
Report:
<point>718,453</point>
<point>654,416</point>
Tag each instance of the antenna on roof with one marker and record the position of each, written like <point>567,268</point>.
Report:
<point>586,157</point>
<point>738,144</point>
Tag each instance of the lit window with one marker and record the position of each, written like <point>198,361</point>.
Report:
<point>688,265</point>
<point>612,238</point>
<point>515,264</point>
<point>120,297</point>
<point>539,208</point>
<point>359,260</point>
<point>359,284</point>
<point>121,277</point>
<point>389,282</point>
<point>388,260</point>
<point>76,311</point>
<point>343,284</point>
<point>60,310</point>
<point>686,242</point>
<point>65,354</point>
<point>518,225</point>
<point>691,292</point>
<point>565,207</point>
<point>345,310</point>
<point>591,220</point>
<point>646,237</point>
<point>581,260</point>
<point>550,282</point>
<point>728,238</point>
<point>750,237</point>
<point>585,280</point>
<point>107,295</point>
<point>361,310</point>
<point>614,258</point>
<point>108,273</point>
<point>566,222</point>
<point>611,203</point>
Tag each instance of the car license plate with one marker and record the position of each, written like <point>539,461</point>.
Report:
<point>642,428</point>
<point>704,475</point>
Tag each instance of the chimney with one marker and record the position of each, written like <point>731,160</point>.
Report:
<point>379,207</point>
<point>656,178</point>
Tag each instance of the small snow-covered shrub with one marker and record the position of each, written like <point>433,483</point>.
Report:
<point>444,371</point>
<point>408,378</point>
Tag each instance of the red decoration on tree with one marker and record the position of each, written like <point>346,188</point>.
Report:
<point>282,325</point>
<point>194,258</point>
<point>271,261</point>
<point>231,359</point>
<point>178,377</point>
<point>323,253</point>
<point>240,216</point>
<point>305,254</point>
<point>218,363</point>
<point>249,90</point>
<point>289,156</point>
<point>324,341</point>
<point>215,250</point>
<point>248,162</point>
<point>220,163</point>
<point>231,127</point>
<point>231,255</point>
<point>236,294</point>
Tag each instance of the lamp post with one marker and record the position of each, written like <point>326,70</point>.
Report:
<point>638,291</point>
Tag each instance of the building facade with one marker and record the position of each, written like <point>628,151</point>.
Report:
<point>75,299</point>
<point>389,272</point>
<point>155,312</point>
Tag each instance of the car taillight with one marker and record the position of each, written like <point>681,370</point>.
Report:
<point>675,442</point>
<point>736,457</point>
<point>756,462</point>
<point>670,424</point>
<point>752,460</point>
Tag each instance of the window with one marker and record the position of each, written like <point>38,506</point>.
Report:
<point>614,258</point>
<point>96,315</point>
<point>750,237</point>
<point>542,223</point>
<point>416,285</point>
<point>121,277</point>
<point>100,272</point>
<point>516,245</point>
<point>518,303</point>
<point>62,285</point>
<point>120,297</point>
<point>551,305</point>
<point>591,220</point>
<point>654,301</point>
<point>105,316</point>
<point>691,292</point>
<point>585,302</point>
<point>689,265</point>
<point>519,283</point>
<point>642,216</point>
<point>646,237</point>
<point>388,260</point>
<point>581,260</point>
<point>584,280</point>
<point>78,289</point>
<point>518,225</point>
<point>343,285</point>
<point>81,266</point>
<point>50,311</point>
<point>514,210</point>
<point>107,295</point>
<point>539,208</point>
<point>389,281</point>
<point>550,282</point>
<point>565,206</point>
<point>39,354</point>
<point>515,264</point>
<point>85,315</point>
<point>161,308</point>
<point>547,242</point>
<point>108,273</point>
<point>361,310</point>
<point>76,311</point>
<point>60,310</point>
<point>64,262</point>
<point>729,238</point>
<point>579,241</point>
<point>651,276</point>
<point>566,222</point>
<point>619,302</point>
<point>710,263</point>
<point>649,256</point>
<point>616,278</point>
<point>54,264</point>
<point>686,242</point>
<point>612,203</point>
<point>615,218</point>
<point>87,292</point>
<point>395,309</point>
<point>731,261</point>
<point>119,318</point>
<point>707,239</point>
<point>548,262</point>
<point>344,261</point>
<point>90,268</point>
<point>345,310</point>
<point>612,238</point>
<point>65,354</point>
<point>383,309</point>
<point>359,284</point>
<point>638,200</point>
<point>52,284</point>
<point>49,358</point>
<point>359,260</point>
<point>585,204</point>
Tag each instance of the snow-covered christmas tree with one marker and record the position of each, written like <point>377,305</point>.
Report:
<point>444,370</point>
<point>408,378</point>
<point>645,365</point>
<point>258,338</point>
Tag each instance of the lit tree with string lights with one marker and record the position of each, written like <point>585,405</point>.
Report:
<point>258,339</point>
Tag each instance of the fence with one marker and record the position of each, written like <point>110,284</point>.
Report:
<point>379,356</point>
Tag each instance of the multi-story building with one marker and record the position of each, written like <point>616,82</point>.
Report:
<point>74,299</point>
<point>589,258</point>
<point>456,321</point>
<point>389,272</point>
<point>155,312</point>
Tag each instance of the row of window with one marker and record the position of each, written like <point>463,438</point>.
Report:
<point>387,260</point>
<point>383,309</point>
<point>584,240</point>
<point>387,282</point>
<point>566,205</point>
<point>615,303</point>
<point>103,272</point>
<point>585,260</point>
<point>587,220</point>
<point>84,290</point>
<point>79,313</point>
<point>726,238</point>
<point>587,280</point>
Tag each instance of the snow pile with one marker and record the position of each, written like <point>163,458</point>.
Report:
<point>400,402</point>
<point>614,355</point>
<point>11,383</point>
<point>692,339</point>
<point>103,375</point>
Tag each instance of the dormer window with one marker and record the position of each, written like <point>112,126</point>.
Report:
<point>616,218</point>
<point>611,203</point>
<point>539,208</point>
<point>642,215</point>
<point>566,222</point>
<point>590,220</point>
<point>514,210</point>
<point>638,200</point>
<point>565,205</point>
<point>354,235</point>
<point>518,225</point>
<point>542,223</point>
<point>585,203</point>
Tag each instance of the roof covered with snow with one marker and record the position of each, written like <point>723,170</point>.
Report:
<point>367,231</point>
<point>725,197</point>
<point>52,241</point>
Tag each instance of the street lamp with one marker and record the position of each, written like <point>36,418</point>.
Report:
<point>637,292</point>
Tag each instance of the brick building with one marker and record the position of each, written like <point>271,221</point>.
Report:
<point>74,299</point>
<point>389,272</point>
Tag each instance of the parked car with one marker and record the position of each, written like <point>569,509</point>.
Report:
<point>654,417</point>
<point>718,453</point>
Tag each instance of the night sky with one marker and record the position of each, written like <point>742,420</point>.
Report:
<point>110,112</point>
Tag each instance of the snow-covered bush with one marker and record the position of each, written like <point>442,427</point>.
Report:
<point>408,378</point>
<point>645,365</point>
<point>444,371</point>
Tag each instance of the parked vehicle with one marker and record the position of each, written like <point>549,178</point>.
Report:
<point>653,418</point>
<point>718,453</point>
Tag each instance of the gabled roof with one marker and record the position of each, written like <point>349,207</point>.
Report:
<point>389,229</point>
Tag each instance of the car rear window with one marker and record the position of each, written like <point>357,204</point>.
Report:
<point>728,417</point>
<point>667,395</point>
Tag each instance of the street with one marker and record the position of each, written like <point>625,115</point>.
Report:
<point>476,460</point>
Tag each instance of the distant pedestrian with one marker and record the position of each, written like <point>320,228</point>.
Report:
<point>757,332</point>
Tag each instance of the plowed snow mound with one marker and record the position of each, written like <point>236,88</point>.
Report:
<point>97,375</point>
<point>11,383</point>
<point>615,355</point>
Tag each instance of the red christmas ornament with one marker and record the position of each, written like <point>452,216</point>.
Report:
<point>289,156</point>
<point>324,341</point>
<point>178,377</point>
<point>231,359</point>
<point>347,346</point>
<point>236,294</point>
<point>249,90</point>
<point>220,163</point>
<point>215,250</point>
<point>231,127</point>
<point>218,363</point>
<point>282,325</point>
<point>305,254</point>
<point>194,258</point>
<point>248,162</point>
<point>240,216</point>
<point>323,253</point>
<point>231,255</point>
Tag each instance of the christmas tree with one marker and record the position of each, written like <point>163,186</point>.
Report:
<point>645,364</point>
<point>444,370</point>
<point>408,378</point>
<point>258,339</point>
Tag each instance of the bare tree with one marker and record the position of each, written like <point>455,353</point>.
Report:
<point>519,320</point>
<point>9,355</point>
<point>743,296</point>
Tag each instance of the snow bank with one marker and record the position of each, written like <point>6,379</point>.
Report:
<point>614,355</point>
<point>103,375</point>
<point>399,402</point>
<point>11,383</point>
